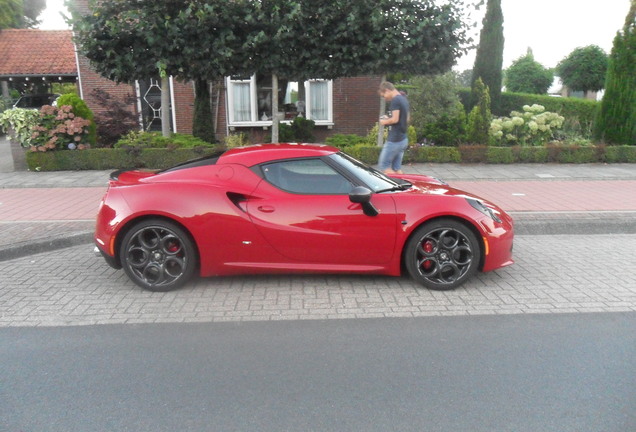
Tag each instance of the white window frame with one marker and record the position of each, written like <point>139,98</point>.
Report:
<point>255,121</point>
<point>329,120</point>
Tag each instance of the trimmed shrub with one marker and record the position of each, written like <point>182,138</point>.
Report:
<point>417,154</point>
<point>343,141</point>
<point>499,155</point>
<point>624,153</point>
<point>105,158</point>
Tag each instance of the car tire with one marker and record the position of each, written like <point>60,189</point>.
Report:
<point>442,254</point>
<point>158,255</point>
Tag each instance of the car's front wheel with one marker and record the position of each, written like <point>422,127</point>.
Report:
<point>158,255</point>
<point>442,254</point>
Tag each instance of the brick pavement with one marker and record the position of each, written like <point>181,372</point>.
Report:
<point>552,274</point>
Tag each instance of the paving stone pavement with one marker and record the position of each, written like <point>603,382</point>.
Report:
<point>552,274</point>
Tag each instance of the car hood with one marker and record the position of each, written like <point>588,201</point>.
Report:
<point>427,185</point>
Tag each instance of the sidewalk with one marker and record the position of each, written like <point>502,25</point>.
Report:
<point>42,211</point>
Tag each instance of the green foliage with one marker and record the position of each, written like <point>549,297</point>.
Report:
<point>432,97</point>
<point>299,130</point>
<point>526,75</point>
<point>156,158</point>
<point>133,39</point>
<point>480,116</point>
<point>489,58</point>
<point>534,126</point>
<point>579,113</point>
<point>584,69</point>
<point>202,126</point>
<point>625,154</point>
<point>236,140</point>
<point>107,158</point>
<point>80,109</point>
<point>419,154</point>
<point>19,124</point>
<point>20,13</point>
<point>5,104</point>
<point>303,129</point>
<point>365,152</point>
<point>342,141</point>
<point>448,130</point>
<point>147,140</point>
<point>617,116</point>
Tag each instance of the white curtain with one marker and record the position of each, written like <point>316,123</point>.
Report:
<point>241,99</point>
<point>319,103</point>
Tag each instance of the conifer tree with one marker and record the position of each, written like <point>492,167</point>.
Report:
<point>489,59</point>
<point>616,123</point>
<point>480,116</point>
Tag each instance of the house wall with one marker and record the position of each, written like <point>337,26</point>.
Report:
<point>90,80</point>
<point>356,109</point>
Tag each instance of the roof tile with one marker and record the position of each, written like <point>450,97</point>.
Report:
<point>37,52</point>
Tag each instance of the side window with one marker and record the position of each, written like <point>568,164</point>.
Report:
<point>306,176</point>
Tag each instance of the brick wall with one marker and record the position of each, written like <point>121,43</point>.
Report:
<point>184,105</point>
<point>356,104</point>
<point>89,79</point>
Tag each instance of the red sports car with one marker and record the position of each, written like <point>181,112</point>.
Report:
<point>295,208</point>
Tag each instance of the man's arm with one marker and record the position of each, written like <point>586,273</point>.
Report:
<point>394,119</point>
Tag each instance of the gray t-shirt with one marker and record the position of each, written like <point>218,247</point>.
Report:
<point>398,130</point>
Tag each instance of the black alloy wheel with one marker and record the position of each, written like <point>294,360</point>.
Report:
<point>442,254</point>
<point>158,255</point>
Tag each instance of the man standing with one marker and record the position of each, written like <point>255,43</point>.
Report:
<point>390,161</point>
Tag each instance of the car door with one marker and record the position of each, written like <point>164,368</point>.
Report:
<point>304,212</point>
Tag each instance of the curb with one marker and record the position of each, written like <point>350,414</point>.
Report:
<point>47,245</point>
<point>523,226</point>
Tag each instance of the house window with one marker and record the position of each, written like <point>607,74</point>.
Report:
<point>250,100</point>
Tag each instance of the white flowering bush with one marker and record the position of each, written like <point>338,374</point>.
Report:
<point>533,127</point>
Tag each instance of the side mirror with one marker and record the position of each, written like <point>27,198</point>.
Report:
<point>362,195</point>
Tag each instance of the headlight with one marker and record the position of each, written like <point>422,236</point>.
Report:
<point>480,207</point>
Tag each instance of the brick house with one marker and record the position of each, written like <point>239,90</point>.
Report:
<point>243,104</point>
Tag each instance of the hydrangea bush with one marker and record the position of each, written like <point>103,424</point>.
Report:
<point>533,127</point>
<point>58,128</point>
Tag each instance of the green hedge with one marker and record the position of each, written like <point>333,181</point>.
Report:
<point>103,159</point>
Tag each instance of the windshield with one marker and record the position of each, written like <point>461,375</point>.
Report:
<point>373,178</point>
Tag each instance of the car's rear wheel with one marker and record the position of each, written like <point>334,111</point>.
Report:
<point>442,254</point>
<point>158,255</point>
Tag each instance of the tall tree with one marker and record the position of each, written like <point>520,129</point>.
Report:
<point>616,123</point>
<point>20,13</point>
<point>489,60</point>
<point>526,75</point>
<point>584,69</point>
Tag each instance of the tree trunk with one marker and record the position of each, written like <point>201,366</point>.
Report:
<point>165,106</point>
<point>275,118</point>
<point>382,112</point>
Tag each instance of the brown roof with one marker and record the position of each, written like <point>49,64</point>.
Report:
<point>36,52</point>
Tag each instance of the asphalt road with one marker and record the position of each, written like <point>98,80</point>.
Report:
<point>562,372</point>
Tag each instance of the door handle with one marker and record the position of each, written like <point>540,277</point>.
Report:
<point>266,209</point>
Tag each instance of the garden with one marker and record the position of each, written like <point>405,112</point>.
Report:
<point>527,128</point>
